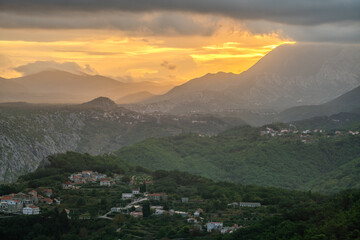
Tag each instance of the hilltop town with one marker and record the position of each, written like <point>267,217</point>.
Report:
<point>139,202</point>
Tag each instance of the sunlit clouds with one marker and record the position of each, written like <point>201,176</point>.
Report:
<point>141,55</point>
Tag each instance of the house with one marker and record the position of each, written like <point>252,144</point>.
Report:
<point>198,212</point>
<point>148,182</point>
<point>7,198</point>
<point>47,192</point>
<point>136,191</point>
<point>214,226</point>
<point>157,196</point>
<point>136,214</point>
<point>67,185</point>
<point>33,193</point>
<point>23,198</point>
<point>192,220</point>
<point>105,183</point>
<point>125,196</point>
<point>75,176</point>
<point>3,206</point>
<point>159,212</point>
<point>57,201</point>
<point>31,210</point>
<point>157,207</point>
<point>47,201</point>
<point>100,176</point>
<point>116,209</point>
<point>184,200</point>
<point>229,229</point>
<point>183,214</point>
<point>14,206</point>
<point>92,180</point>
<point>86,174</point>
<point>250,204</point>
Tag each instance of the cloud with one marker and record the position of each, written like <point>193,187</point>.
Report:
<point>167,65</point>
<point>164,23</point>
<point>305,12</point>
<point>39,66</point>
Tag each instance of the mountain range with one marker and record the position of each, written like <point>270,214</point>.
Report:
<point>31,132</point>
<point>348,102</point>
<point>55,86</point>
<point>288,76</point>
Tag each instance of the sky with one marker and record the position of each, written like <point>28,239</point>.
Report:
<point>163,40</point>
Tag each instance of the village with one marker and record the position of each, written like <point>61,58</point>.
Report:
<point>304,134</point>
<point>131,203</point>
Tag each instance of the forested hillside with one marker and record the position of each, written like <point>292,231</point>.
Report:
<point>283,214</point>
<point>242,155</point>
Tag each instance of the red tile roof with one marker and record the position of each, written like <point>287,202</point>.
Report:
<point>156,194</point>
<point>6,197</point>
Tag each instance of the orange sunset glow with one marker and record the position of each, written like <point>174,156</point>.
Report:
<point>139,57</point>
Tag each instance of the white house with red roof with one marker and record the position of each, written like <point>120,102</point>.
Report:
<point>31,210</point>
<point>157,196</point>
<point>105,183</point>
<point>135,191</point>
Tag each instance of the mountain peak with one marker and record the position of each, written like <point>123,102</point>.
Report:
<point>100,102</point>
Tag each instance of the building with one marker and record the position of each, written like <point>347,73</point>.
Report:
<point>47,192</point>
<point>47,201</point>
<point>198,212</point>
<point>229,229</point>
<point>14,206</point>
<point>68,185</point>
<point>184,200</point>
<point>157,196</point>
<point>159,212</point>
<point>136,191</point>
<point>31,210</point>
<point>192,220</point>
<point>125,196</point>
<point>183,214</point>
<point>214,226</point>
<point>116,209</point>
<point>250,204</point>
<point>136,214</point>
<point>7,198</point>
<point>105,183</point>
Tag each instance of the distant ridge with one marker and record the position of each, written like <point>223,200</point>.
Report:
<point>102,102</point>
<point>135,97</point>
<point>348,102</point>
<point>288,76</point>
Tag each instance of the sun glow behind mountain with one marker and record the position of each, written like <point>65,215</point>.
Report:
<point>127,56</point>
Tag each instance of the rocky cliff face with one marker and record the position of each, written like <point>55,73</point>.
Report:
<point>29,133</point>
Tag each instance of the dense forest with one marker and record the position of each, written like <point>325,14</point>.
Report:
<point>242,155</point>
<point>284,214</point>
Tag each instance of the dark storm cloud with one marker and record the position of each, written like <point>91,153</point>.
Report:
<point>164,23</point>
<point>304,12</point>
